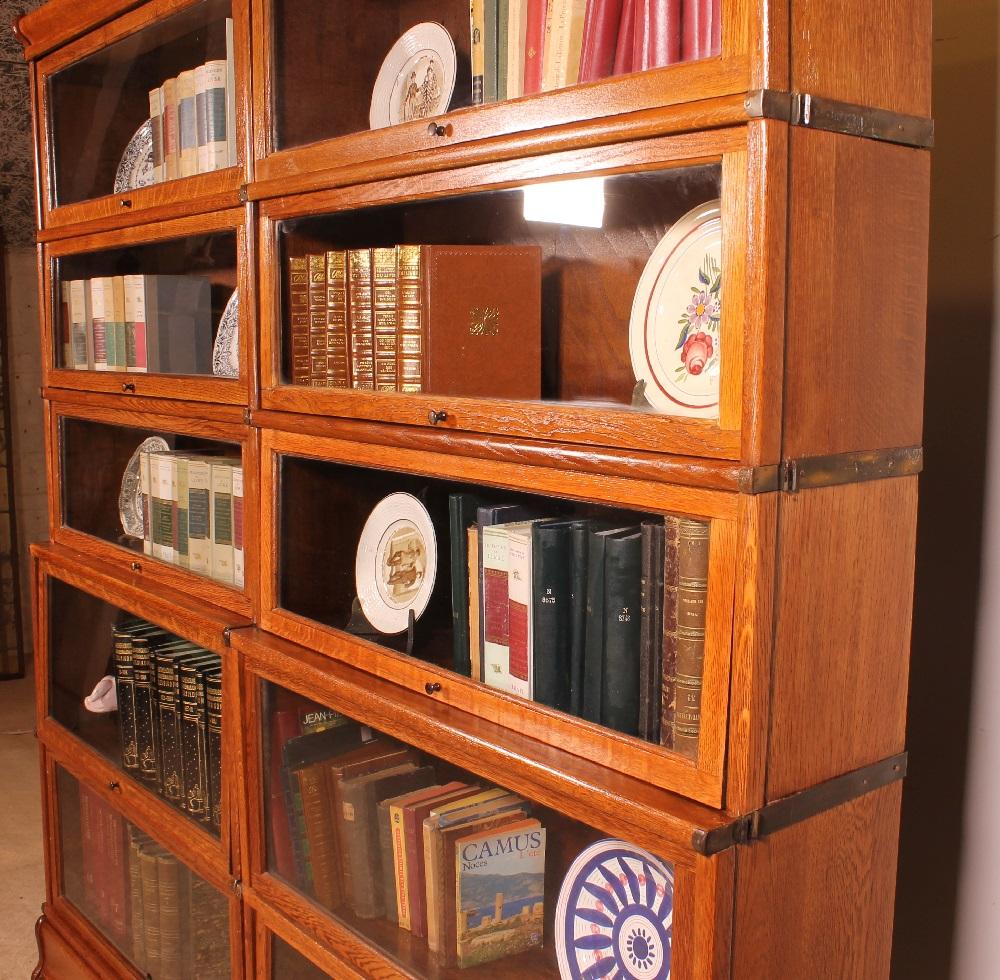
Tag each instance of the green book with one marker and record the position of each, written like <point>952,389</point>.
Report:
<point>503,16</point>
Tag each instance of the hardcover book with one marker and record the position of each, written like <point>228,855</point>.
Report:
<point>337,366</point>
<point>361,358</point>
<point>651,631</point>
<point>384,317</point>
<point>622,625</point>
<point>298,312</point>
<point>551,602</point>
<point>187,125</point>
<point>213,738</point>
<point>600,34</point>
<point>692,594</point>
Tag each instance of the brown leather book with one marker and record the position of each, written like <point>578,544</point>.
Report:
<point>149,871</point>
<point>470,320</point>
<point>360,320</point>
<point>316,264</point>
<point>135,899</point>
<point>173,916</point>
<point>337,372</point>
<point>668,668</point>
<point>384,317</point>
<point>692,592</point>
<point>317,815</point>
<point>298,314</point>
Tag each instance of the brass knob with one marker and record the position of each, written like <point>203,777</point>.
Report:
<point>114,786</point>
<point>434,129</point>
<point>128,387</point>
<point>436,417</point>
<point>432,687</point>
<point>126,202</point>
<point>136,566</point>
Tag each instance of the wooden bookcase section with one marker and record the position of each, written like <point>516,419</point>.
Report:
<point>786,818</point>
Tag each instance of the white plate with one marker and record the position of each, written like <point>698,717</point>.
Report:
<point>616,902</point>
<point>674,335</point>
<point>416,79</point>
<point>396,562</point>
<point>130,497</point>
<point>226,350</point>
<point>136,167</point>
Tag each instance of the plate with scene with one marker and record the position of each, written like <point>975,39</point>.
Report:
<point>416,79</point>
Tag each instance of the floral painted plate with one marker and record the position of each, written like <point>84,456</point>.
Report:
<point>226,351</point>
<point>396,563</point>
<point>674,336</point>
<point>136,167</point>
<point>416,79</point>
<point>130,510</point>
<point>614,917</point>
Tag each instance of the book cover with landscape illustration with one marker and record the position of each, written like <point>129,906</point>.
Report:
<point>500,891</point>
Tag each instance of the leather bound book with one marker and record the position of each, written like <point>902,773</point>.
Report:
<point>550,598</point>
<point>651,631</point>
<point>477,28</point>
<point>359,823</point>
<point>193,737</point>
<point>694,28</point>
<point>462,509</point>
<point>144,690</point>
<point>208,918</point>
<point>480,316</point>
<point>579,544</point>
<point>692,593</point>
<point>138,945</point>
<point>520,660</point>
<point>172,917</point>
<point>668,669</point>
<point>298,315</point>
<point>386,863</point>
<point>534,41</point>
<point>626,39</point>
<point>317,814</point>
<point>360,318</point>
<point>474,578</point>
<point>714,45</point>
<point>284,725</point>
<point>213,740</point>
<point>657,40</point>
<point>116,865</point>
<point>337,372</point>
<point>149,874</point>
<point>121,635</point>
<point>600,36</point>
<point>168,712</point>
<point>316,265</point>
<point>384,317</point>
<point>622,621</point>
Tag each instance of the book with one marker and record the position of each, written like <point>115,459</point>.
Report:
<point>213,742</point>
<point>178,324</point>
<point>199,477</point>
<point>81,326</point>
<point>65,348</point>
<point>115,325</point>
<point>622,623</point>
<point>499,891</point>
<point>477,29</point>
<point>180,496</point>
<point>187,125</point>
<point>495,606</point>
<point>193,735</point>
<point>692,594</point>
<point>145,492</point>
<point>360,318</point>
<point>316,267</point>
<point>136,928</point>
<point>624,46</point>
<point>651,631</point>
<point>668,668</point>
<point>517,26</point>
<point>156,128</point>
<point>563,43</point>
<point>337,366</point>
<point>211,111</point>
<point>171,151</point>
<point>284,725</point>
<point>144,644</point>
<point>167,720</point>
<point>502,41</point>
<point>551,602</point>
<point>149,886</point>
<point>520,626</point>
<point>474,580</point>
<point>239,553</point>
<point>232,154</point>
<point>135,323</point>
<point>462,509</point>
<point>222,520</point>
<point>695,30</point>
<point>121,636</point>
<point>384,317</point>
<point>116,874</point>
<point>469,313</point>
<point>161,507</point>
<point>101,302</point>
<point>298,315</point>
<point>172,916</point>
<point>657,39</point>
<point>318,817</point>
<point>579,543</point>
<point>600,34</point>
<point>534,40</point>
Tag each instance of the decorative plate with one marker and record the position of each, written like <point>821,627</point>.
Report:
<point>674,336</point>
<point>226,351</point>
<point>396,562</point>
<point>416,79</point>
<point>136,167</point>
<point>614,917</point>
<point>130,498</point>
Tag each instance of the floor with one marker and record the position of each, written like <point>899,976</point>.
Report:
<point>22,887</point>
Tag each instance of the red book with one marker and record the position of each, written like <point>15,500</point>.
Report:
<point>117,874</point>
<point>90,859</point>
<point>600,33</point>
<point>626,35</point>
<point>694,17</point>
<point>715,32</point>
<point>534,42</point>
<point>284,725</point>
<point>518,639</point>
<point>657,40</point>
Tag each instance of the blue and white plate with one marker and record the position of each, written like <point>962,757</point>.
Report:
<point>614,917</point>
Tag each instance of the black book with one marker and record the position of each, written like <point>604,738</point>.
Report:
<point>213,739</point>
<point>593,654</point>
<point>147,742</point>
<point>167,711</point>
<point>551,597</point>
<point>194,744</point>
<point>122,634</point>
<point>462,510</point>
<point>579,548</point>
<point>306,750</point>
<point>622,629</point>
<point>651,630</point>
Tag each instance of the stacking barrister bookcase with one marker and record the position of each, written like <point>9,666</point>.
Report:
<point>647,350</point>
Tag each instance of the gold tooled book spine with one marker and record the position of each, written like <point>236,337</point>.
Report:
<point>316,264</point>
<point>669,663</point>
<point>692,593</point>
<point>359,301</point>
<point>337,369</point>
<point>298,302</point>
<point>410,317</point>
<point>384,315</point>
<point>168,871</point>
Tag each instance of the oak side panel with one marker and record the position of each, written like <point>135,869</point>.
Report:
<point>59,958</point>
<point>816,900</point>
<point>873,52</point>
<point>842,638</point>
<point>857,294</point>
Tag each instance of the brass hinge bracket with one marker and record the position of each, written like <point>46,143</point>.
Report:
<point>227,633</point>
<point>812,472</point>
<point>793,809</point>
<point>834,116</point>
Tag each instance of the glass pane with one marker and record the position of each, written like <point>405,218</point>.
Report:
<point>161,915</point>
<point>290,964</point>
<point>157,309</point>
<point>108,128</point>
<point>144,698</point>
<point>178,499</point>
<point>600,292</point>
<point>593,611</point>
<point>440,869</point>
<point>349,51</point>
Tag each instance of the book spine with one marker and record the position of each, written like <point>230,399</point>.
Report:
<point>477,25</point>
<point>693,28</point>
<point>125,689</point>
<point>317,813</point>
<point>337,369</point>
<point>144,688</point>
<point>222,522</point>
<point>168,875</point>
<point>490,14</point>
<point>149,874</point>
<point>600,32</point>
<point>201,118</point>
<point>413,842</point>
<point>388,866</point>
<point>138,946</point>
<point>519,613</point>
<point>117,875</point>
<point>192,737</point>
<point>503,26</point>
<point>115,326</point>
<point>298,309</point>
<point>534,43</point>
<point>135,323</point>
<point>432,889</point>
<point>213,739</point>
<point>79,292</point>
<point>626,39</point>
<point>620,693</point>
<point>65,348</point>
<point>359,300</point>
<point>187,125</point>
<point>156,128</point>
<point>593,666</point>
<point>162,508</point>
<point>216,152</point>
<point>668,670</point>
<point>550,624</point>
<point>361,852</point>
<point>171,155</point>
<point>692,593</point>
<point>316,266</point>
<point>239,553</point>
<point>517,25</point>
<point>89,856</point>
<point>410,348</point>
<point>651,631</point>
<point>474,577</point>
<point>99,303</point>
<point>183,512</point>
<point>400,873</point>
<point>168,472</point>
<point>574,46</point>
<point>496,610</point>
<point>145,490</point>
<point>168,722</point>
<point>199,516</point>
<point>232,156</point>
<point>460,516</point>
<point>283,725</point>
<point>384,317</point>
<point>579,553</point>
<point>657,40</point>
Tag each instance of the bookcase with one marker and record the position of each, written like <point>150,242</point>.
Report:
<point>753,813</point>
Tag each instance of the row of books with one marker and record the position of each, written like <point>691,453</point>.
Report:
<point>418,318</point>
<point>170,717</point>
<point>193,513</point>
<point>603,621</point>
<point>193,119</point>
<point>520,47</point>
<point>154,324</point>
<point>359,821</point>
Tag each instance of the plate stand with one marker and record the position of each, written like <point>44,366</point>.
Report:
<point>639,399</point>
<point>358,625</point>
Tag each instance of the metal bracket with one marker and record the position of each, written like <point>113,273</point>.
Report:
<point>810,472</point>
<point>248,416</point>
<point>793,809</point>
<point>834,116</point>
<point>227,633</point>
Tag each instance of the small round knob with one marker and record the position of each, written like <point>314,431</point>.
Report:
<point>126,202</point>
<point>136,566</point>
<point>128,387</point>
<point>114,786</point>
<point>434,129</point>
<point>436,417</point>
<point>432,687</point>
